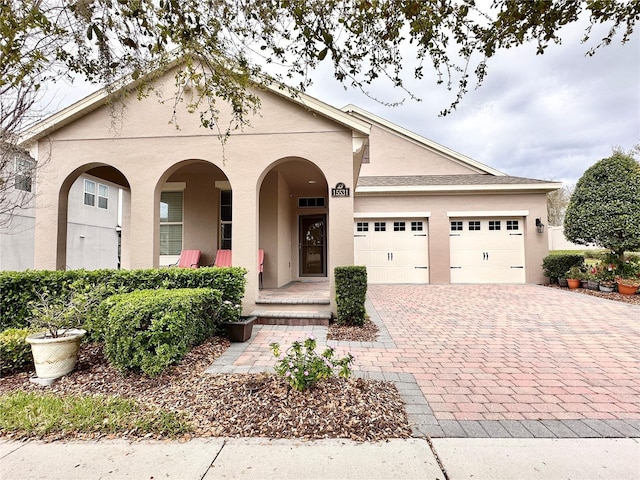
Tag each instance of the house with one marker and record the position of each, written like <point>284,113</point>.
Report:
<point>92,226</point>
<point>314,186</point>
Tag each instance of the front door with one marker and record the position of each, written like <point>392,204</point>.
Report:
<point>313,248</point>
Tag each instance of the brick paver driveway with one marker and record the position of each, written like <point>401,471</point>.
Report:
<point>494,360</point>
<point>488,352</point>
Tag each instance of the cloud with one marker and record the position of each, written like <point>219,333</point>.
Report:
<point>542,116</point>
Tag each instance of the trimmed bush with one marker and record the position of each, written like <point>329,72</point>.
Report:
<point>351,293</point>
<point>15,352</point>
<point>19,288</point>
<point>557,265</point>
<point>149,330</point>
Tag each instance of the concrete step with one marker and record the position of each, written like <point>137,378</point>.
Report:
<point>292,301</point>
<point>292,318</point>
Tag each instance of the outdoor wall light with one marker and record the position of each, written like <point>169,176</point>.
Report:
<point>539,225</point>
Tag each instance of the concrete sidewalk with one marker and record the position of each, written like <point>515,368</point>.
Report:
<point>257,458</point>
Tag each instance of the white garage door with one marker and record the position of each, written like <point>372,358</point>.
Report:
<point>393,250</point>
<point>487,250</point>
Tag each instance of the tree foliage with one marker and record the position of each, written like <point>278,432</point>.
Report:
<point>225,46</point>
<point>362,39</point>
<point>605,205</point>
<point>557,202</point>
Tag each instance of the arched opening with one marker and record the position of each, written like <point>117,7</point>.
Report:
<point>93,229</point>
<point>293,219</point>
<point>194,204</point>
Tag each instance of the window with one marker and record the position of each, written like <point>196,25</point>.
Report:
<point>398,226</point>
<point>225,219</point>
<point>24,169</point>
<point>103,196</point>
<point>494,224</point>
<point>456,226</point>
<point>310,202</point>
<point>362,226</point>
<point>170,223</point>
<point>416,226</point>
<point>380,226</point>
<point>512,225</point>
<point>89,193</point>
<point>474,225</point>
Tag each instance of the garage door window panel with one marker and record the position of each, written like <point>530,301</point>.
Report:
<point>380,226</point>
<point>474,226</point>
<point>399,226</point>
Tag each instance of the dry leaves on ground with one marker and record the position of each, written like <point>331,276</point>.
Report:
<point>260,405</point>
<point>366,333</point>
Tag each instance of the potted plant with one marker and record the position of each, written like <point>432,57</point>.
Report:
<point>574,275</point>
<point>55,349</point>
<point>628,285</point>
<point>237,327</point>
<point>606,277</point>
<point>240,330</point>
<point>593,282</point>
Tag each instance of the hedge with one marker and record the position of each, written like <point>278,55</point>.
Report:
<point>17,289</point>
<point>557,265</point>
<point>351,292</point>
<point>148,330</point>
<point>15,352</point>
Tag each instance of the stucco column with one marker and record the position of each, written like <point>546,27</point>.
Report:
<point>439,258</point>
<point>144,226</point>
<point>50,222</point>
<point>340,229</point>
<point>245,231</point>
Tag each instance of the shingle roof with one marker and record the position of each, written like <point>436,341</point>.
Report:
<point>445,180</point>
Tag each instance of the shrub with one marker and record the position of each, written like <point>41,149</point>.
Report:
<point>19,288</point>
<point>351,293</point>
<point>149,330</point>
<point>557,265</point>
<point>302,367</point>
<point>15,352</point>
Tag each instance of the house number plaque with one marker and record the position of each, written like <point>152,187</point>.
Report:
<point>340,191</point>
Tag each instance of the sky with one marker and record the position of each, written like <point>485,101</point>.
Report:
<point>545,116</point>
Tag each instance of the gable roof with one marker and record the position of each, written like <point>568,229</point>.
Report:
<point>104,95</point>
<point>439,183</point>
<point>425,142</point>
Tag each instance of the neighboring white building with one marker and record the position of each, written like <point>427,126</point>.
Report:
<point>557,241</point>
<point>92,218</point>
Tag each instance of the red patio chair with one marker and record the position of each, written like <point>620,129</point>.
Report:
<point>223,258</point>
<point>188,259</point>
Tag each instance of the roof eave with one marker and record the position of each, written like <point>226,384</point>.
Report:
<point>413,189</point>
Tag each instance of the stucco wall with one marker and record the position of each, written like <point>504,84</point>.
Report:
<point>395,155</point>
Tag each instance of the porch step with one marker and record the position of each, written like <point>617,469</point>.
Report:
<point>292,318</point>
<point>293,301</point>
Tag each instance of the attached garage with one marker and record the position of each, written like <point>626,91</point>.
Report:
<point>394,250</point>
<point>487,249</point>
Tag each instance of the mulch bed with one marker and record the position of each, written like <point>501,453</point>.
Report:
<point>366,333</point>
<point>615,296</point>
<point>247,405</point>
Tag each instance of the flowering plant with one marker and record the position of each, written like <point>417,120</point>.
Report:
<point>302,366</point>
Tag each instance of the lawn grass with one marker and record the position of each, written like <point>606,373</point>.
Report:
<point>38,415</point>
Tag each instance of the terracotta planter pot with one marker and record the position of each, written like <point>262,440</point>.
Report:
<point>625,289</point>
<point>55,357</point>
<point>241,330</point>
<point>573,283</point>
